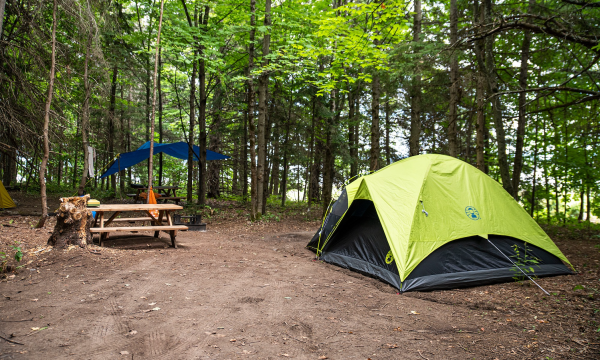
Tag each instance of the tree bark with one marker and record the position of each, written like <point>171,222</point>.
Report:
<point>329,160</point>
<point>202,116</point>
<point>535,165</point>
<point>46,153</point>
<point>415,99</point>
<point>154,88</point>
<point>375,128</point>
<point>452,114</point>
<point>286,151</point>
<point>388,114</point>
<point>251,127</point>
<point>73,223</point>
<point>479,92</point>
<point>353,150</point>
<point>160,117</point>
<point>192,125</point>
<point>492,84</point>
<point>111,122</point>
<point>122,148</point>
<point>214,169</point>
<point>522,120</point>
<point>85,117</point>
<point>263,84</point>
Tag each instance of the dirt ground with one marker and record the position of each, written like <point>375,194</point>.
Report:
<point>252,291</point>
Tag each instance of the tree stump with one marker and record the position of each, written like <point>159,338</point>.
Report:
<point>73,223</point>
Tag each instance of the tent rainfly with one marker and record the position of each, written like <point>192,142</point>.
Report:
<point>434,222</point>
<point>178,150</point>
<point>5,200</point>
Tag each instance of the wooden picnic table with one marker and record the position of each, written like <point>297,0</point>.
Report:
<point>164,221</point>
<point>167,193</point>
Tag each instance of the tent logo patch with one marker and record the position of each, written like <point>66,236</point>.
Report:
<point>389,258</point>
<point>472,213</point>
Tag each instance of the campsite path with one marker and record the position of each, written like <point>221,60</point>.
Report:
<point>242,292</point>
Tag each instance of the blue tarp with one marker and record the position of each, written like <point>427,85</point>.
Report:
<point>178,150</point>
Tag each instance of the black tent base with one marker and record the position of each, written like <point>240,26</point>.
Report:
<point>360,244</point>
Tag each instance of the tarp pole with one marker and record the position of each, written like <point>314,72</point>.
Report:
<point>524,273</point>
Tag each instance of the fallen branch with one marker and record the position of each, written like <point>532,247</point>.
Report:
<point>10,341</point>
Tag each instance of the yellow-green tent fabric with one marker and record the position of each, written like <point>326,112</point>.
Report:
<point>425,202</point>
<point>5,199</point>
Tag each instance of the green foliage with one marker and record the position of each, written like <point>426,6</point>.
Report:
<point>523,263</point>
<point>17,256</point>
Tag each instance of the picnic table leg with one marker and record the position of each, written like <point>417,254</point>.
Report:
<point>173,234</point>
<point>101,225</point>
<point>158,222</point>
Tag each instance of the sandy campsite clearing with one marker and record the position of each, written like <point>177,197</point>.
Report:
<point>252,291</point>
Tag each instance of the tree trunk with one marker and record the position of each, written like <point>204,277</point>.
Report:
<point>353,150</point>
<point>263,84</point>
<point>160,118</point>
<point>480,137</point>
<point>46,153</point>
<point>192,125</point>
<point>202,116</point>
<point>286,151</point>
<point>388,114</point>
<point>274,182</point>
<point>122,144</point>
<point>452,114</point>
<point>129,102</point>
<point>375,130</point>
<point>73,223</point>
<point>522,120</point>
<point>535,165</point>
<point>111,123</point>
<point>415,99</point>
<point>191,157</point>
<point>85,118</point>
<point>251,127</point>
<point>2,6</point>
<point>214,169</point>
<point>154,88</point>
<point>329,160</point>
<point>245,156</point>
<point>496,109</point>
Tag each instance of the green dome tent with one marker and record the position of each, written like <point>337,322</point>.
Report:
<point>434,222</point>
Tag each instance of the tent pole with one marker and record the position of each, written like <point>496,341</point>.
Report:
<point>524,273</point>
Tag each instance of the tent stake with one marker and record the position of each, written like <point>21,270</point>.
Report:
<point>524,273</point>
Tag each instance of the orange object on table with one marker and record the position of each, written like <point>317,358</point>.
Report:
<point>152,200</point>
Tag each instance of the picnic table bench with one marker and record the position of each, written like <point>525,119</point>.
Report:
<point>163,222</point>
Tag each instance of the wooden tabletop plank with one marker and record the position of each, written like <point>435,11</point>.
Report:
<point>139,228</point>
<point>135,207</point>
<point>162,187</point>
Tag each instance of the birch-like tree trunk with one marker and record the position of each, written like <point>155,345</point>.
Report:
<point>154,87</point>
<point>415,98</point>
<point>85,117</point>
<point>452,114</point>
<point>522,120</point>
<point>202,114</point>
<point>46,153</point>
<point>375,130</point>
<point>479,92</point>
<point>492,83</point>
<point>251,126</point>
<point>263,87</point>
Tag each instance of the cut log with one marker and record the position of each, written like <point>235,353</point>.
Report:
<point>73,223</point>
